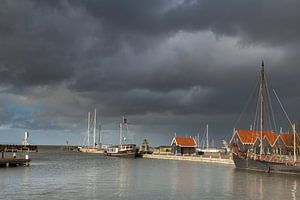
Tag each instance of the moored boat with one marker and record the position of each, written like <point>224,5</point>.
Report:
<point>260,159</point>
<point>123,150</point>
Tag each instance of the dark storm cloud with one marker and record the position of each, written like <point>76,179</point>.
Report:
<point>138,57</point>
<point>256,21</point>
<point>50,41</point>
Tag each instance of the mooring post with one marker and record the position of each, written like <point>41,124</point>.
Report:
<point>27,160</point>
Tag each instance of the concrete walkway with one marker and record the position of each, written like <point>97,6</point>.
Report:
<point>191,158</point>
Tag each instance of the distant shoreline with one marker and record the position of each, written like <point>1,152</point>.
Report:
<point>219,160</point>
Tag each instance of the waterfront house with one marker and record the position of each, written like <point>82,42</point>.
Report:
<point>284,144</point>
<point>281,144</point>
<point>184,146</point>
<point>246,140</point>
<point>269,138</point>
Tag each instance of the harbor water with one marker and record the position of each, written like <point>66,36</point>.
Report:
<point>56,174</point>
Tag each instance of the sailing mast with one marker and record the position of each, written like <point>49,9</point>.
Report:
<point>88,131</point>
<point>99,138</point>
<point>121,127</point>
<point>95,124</point>
<point>207,142</point>
<point>294,131</point>
<point>262,85</point>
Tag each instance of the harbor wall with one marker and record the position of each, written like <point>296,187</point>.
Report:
<point>210,159</point>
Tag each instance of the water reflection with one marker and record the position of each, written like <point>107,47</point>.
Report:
<point>260,185</point>
<point>294,190</point>
<point>78,176</point>
<point>126,177</point>
<point>185,179</point>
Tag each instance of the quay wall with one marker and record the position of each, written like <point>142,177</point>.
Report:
<point>210,159</point>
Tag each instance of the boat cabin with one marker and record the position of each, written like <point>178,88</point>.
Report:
<point>121,148</point>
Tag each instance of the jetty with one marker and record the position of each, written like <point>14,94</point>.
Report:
<point>13,161</point>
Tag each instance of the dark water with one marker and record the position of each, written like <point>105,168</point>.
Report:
<point>54,174</point>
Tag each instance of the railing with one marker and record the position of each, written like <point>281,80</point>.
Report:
<point>274,158</point>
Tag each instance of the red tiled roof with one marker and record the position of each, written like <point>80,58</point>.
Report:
<point>270,136</point>
<point>249,137</point>
<point>185,142</point>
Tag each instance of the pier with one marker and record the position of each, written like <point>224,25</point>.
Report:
<point>18,148</point>
<point>14,162</point>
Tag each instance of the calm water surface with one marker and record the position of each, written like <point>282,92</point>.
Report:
<point>55,174</point>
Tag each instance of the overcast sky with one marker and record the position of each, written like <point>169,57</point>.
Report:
<point>168,66</point>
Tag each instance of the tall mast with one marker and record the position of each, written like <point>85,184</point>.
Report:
<point>198,140</point>
<point>294,130</point>
<point>99,137</point>
<point>88,131</point>
<point>95,124</point>
<point>121,127</point>
<point>262,86</point>
<point>207,145</point>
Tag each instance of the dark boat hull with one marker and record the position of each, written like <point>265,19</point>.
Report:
<point>258,165</point>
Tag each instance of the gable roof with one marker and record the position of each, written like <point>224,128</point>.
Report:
<point>287,139</point>
<point>247,136</point>
<point>271,137</point>
<point>250,136</point>
<point>184,142</point>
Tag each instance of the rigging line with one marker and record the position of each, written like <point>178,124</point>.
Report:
<point>256,118</point>
<point>272,110</point>
<point>247,104</point>
<point>204,136</point>
<point>268,117</point>
<point>202,139</point>
<point>283,108</point>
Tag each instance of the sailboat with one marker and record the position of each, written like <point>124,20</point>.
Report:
<point>123,149</point>
<point>91,124</point>
<point>205,147</point>
<point>259,159</point>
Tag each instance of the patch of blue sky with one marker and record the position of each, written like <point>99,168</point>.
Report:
<point>19,109</point>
